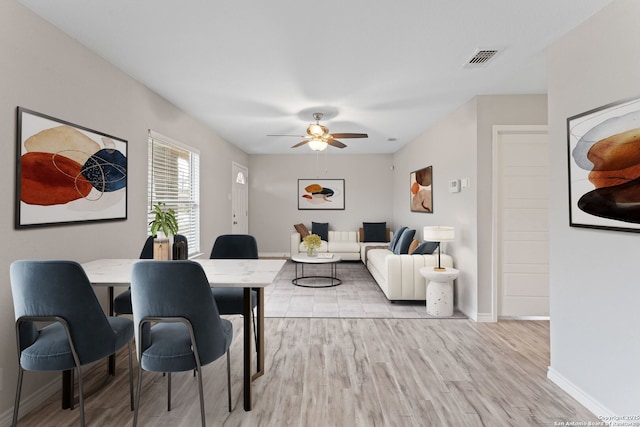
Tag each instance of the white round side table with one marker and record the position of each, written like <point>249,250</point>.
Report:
<point>439,290</point>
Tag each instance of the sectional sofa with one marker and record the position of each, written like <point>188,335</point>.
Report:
<point>397,274</point>
<point>342,243</point>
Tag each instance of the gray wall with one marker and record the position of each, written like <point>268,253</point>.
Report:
<point>273,191</point>
<point>595,297</point>
<point>44,70</point>
<point>460,147</point>
<point>450,147</point>
<point>496,110</point>
<point>593,300</point>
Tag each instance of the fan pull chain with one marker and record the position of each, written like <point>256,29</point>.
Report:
<point>326,168</point>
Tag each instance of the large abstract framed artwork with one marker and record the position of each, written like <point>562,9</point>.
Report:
<point>604,167</point>
<point>67,174</point>
<point>316,194</point>
<point>420,187</point>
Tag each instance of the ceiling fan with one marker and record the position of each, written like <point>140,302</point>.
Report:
<point>318,136</point>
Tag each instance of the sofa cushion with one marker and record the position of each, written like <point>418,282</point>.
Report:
<point>321,229</point>
<point>402,246</point>
<point>302,230</point>
<point>396,237</point>
<point>412,247</point>
<point>387,232</point>
<point>376,258</point>
<point>374,231</point>
<point>426,248</point>
<point>343,246</point>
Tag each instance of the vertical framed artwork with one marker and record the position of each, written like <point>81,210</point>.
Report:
<point>420,190</point>
<point>66,173</point>
<point>321,194</point>
<point>604,167</point>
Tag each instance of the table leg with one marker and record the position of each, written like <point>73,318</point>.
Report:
<point>112,359</point>
<point>67,389</point>
<point>246,301</point>
<point>67,376</point>
<point>260,335</point>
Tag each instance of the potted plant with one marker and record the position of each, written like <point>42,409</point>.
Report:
<point>164,225</point>
<point>312,242</point>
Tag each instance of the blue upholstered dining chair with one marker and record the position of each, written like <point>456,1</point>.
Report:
<point>234,246</point>
<point>122,302</point>
<point>187,331</point>
<point>77,331</point>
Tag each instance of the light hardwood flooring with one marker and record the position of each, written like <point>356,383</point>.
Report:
<point>359,296</point>
<point>355,372</point>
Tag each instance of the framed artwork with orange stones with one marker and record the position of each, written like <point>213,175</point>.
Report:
<point>604,167</point>
<point>420,186</point>
<point>66,173</point>
<point>321,194</point>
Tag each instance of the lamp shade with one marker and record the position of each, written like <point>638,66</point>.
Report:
<point>438,233</point>
<point>317,144</point>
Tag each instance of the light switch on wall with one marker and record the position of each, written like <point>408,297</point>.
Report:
<point>465,183</point>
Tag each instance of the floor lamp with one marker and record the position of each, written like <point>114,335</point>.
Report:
<point>438,233</point>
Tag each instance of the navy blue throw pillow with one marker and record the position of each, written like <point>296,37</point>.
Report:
<point>375,231</point>
<point>402,247</point>
<point>425,248</point>
<point>321,229</point>
<point>396,237</point>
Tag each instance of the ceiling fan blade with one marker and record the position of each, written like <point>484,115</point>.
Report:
<point>299,144</point>
<point>334,142</point>
<point>350,135</point>
<point>297,136</point>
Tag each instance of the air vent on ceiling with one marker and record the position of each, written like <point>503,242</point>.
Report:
<point>481,57</point>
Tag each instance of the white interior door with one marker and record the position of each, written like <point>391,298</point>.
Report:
<point>239,199</point>
<point>521,221</point>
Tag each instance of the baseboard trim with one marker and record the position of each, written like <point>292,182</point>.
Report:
<point>523,317</point>
<point>578,394</point>
<point>485,318</point>
<point>31,402</point>
<point>277,255</point>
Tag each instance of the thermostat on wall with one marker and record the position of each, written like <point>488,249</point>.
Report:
<point>454,186</point>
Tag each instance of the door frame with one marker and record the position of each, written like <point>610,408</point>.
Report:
<point>234,167</point>
<point>499,130</point>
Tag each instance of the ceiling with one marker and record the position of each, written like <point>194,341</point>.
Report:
<point>387,68</point>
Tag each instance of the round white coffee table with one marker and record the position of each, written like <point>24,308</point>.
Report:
<point>302,259</point>
<point>439,290</point>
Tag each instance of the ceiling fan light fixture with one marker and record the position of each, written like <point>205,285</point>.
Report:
<point>317,144</point>
<point>317,130</point>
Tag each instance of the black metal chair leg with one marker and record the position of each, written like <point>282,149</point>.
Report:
<point>229,379</point>
<point>14,423</point>
<point>168,391</point>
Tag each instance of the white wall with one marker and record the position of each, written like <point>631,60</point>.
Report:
<point>450,147</point>
<point>595,345</point>
<point>595,297</point>
<point>273,198</point>
<point>44,70</point>
<point>458,147</point>
<point>496,110</point>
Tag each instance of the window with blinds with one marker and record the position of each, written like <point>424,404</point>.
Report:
<point>174,176</point>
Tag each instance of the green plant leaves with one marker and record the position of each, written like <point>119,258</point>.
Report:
<point>164,220</point>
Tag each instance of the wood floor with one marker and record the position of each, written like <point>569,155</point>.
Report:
<point>355,372</point>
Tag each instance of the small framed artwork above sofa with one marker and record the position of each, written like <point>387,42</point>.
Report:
<point>420,186</point>
<point>321,194</point>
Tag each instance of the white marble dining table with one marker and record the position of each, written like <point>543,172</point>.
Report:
<point>249,274</point>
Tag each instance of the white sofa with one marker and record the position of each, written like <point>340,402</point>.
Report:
<point>399,275</point>
<point>342,243</point>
